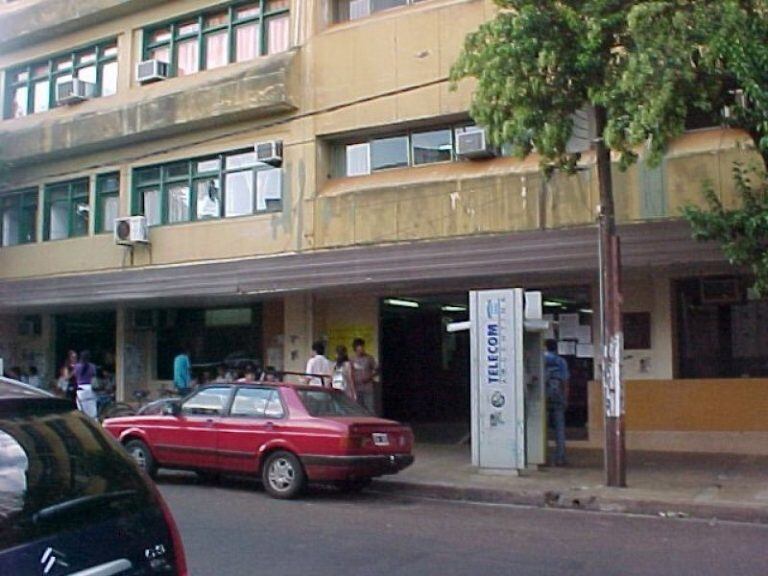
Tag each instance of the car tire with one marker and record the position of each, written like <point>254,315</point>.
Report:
<point>354,486</point>
<point>283,476</point>
<point>141,454</point>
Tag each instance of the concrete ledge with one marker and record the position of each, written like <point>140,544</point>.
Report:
<point>588,501</point>
<point>258,90</point>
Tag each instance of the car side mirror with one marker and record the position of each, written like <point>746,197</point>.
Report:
<point>172,409</point>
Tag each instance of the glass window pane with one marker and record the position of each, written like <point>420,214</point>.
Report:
<point>389,153</point>
<point>359,9</point>
<point>269,189</point>
<point>377,5</point>
<point>208,198</point>
<point>273,5</point>
<point>209,401</point>
<point>358,159</point>
<point>178,203</point>
<point>20,76</point>
<point>187,57</point>
<point>215,20</point>
<point>162,54</point>
<point>247,42</point>
<point>150,201</point>
<point>41,97</point>
<point>58,220</point>
<point>239,190</point>
<point>109,51</point>
<point>87,56</point>
<point>178,170</point>
<point>109,211</point>
<point>62,63</point>
<point>190,27</point>
<point>87,74</point>
<point>147,175</point>
<point>211,165</point>
<point>160,35</point>
<point>109,183</point>
<point>81,212</point>
<point>19,102</point>
<point>10,223</point>
<point>253,402</point>
<point>241,160</point>
<point>109,79</point>
<point>278,34</point>
<point>247,11</point>
<point>435,146</point>
<point>29,220</point>
<point>40,70</point>
<point>216,50</point>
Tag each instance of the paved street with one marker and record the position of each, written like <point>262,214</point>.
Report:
<point>233,528</point>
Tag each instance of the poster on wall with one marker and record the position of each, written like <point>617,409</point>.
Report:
<point>343,335</point>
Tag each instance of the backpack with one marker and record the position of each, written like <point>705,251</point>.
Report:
<point>554,383</point>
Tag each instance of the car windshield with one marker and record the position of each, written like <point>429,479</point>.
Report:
<point>330,403</point>
<point>58,472</point>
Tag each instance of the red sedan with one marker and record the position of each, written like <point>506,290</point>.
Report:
<point>287,434</point>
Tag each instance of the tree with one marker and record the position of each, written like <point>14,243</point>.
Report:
<point>644,65</point>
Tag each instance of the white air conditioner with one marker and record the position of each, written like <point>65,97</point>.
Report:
<point>74,91</point>
<point>269,152</point>
<point>473,144</point>
<point>131,230</point>
<point>151,71</point>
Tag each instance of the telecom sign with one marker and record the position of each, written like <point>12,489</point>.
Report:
<point>498,410</point>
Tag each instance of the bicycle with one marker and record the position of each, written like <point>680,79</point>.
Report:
<point>108,407</point>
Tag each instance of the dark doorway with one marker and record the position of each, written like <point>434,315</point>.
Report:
<point>425,370</point>
<point>93,331</point>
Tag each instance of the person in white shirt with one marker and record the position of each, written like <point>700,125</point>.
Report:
<point>318,365</point>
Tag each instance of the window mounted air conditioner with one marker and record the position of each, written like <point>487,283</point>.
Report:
<point>473,144</point>
<point>74,91</point>
<point>131,230</point>
<point>151,71</point>
<point>269,152</point>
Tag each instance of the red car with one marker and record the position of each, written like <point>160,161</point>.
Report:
<point>287,434</point>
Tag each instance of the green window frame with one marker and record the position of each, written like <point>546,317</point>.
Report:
<point>267,18</point>
<point>226,185</point>
<point>18,217</point>
<point>67,209</point>
<point>31,88</point>
<point>107,202</point>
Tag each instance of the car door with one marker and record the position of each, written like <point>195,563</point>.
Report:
<point>190,439</point>
<point>254,419</point>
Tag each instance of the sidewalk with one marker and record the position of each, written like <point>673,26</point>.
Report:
<point>711,486</point>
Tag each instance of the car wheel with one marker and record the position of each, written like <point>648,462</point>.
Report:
<point>142,456</point>
<point>283,475</point>
<point>354,486</point>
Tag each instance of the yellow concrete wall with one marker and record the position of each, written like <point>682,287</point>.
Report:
<point>721,405</point>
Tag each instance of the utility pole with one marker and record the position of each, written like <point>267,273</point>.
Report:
<point>610,315</point>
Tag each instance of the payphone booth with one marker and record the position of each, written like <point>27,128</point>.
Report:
<point>508,403</point>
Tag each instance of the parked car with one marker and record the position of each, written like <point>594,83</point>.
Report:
<point>71,500</point>
<point>287,434</point>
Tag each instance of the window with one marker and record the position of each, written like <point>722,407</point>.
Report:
<point>107,201</point>
<point>214,39</point>
<point>207,402</point>
<point>356,9</point>
<point>18,217</point>
<point>257,403</point>
<point>414,148</point>
<point>227,185</point>
<point>323,403</point>
<point>32,88</point>
<point>67,209</point>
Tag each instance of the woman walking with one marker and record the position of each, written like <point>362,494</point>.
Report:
<point>342,373</point>
<point>84,374</point>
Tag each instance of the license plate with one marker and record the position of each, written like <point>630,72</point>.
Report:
<point>380,439</point>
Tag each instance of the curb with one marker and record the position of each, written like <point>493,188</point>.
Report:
<point>574,500</point>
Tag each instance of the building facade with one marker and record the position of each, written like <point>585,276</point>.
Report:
<point>372,226</point>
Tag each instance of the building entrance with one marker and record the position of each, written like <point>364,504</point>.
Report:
<point>93,331</point>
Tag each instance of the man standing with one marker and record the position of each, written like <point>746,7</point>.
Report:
<point>182,373</point>
<point>364,372</point>
<point>319,365</point>
<point>557,378</point>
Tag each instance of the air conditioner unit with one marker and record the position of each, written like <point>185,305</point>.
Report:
<point>151,71</point>
<point>269,152</point>
<point>131,230</point>
<point>473,144</point>
<point>74,91</point>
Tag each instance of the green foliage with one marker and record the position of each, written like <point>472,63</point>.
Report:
<point>743,231</point>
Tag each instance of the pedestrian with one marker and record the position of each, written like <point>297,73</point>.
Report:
<point>182,372</point>
<point>318,366</point>
<point>364,372</point>
<point>222,375</point>
<point>69,363</point>
<point>342,373</point>
<point>34,378</point>
<point>63,382</point>
<point>556,377</point>
<point>85,372</point>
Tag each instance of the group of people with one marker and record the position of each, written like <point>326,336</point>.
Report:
<point>81,381</point>
<point>31,376</point>
<point>354,376</point>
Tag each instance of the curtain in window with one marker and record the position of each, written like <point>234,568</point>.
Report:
<point>358,159</point>
<point>19,102</point>
<point>42,96</point>
<point>109,209</point>
<point>269,189</point>
<point>187,57</point>
<point>152,207</point>
<point>246,42</point>
<point>81,212</point>
<point>216,50</point>
<point>10,228</point>
<point>239,189</point>
<point>208,199</point>
<point>278,34</point>
<point>59,221</point>
<point>359,9</point>
<point>178,203</point>
<point>109,79</point>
